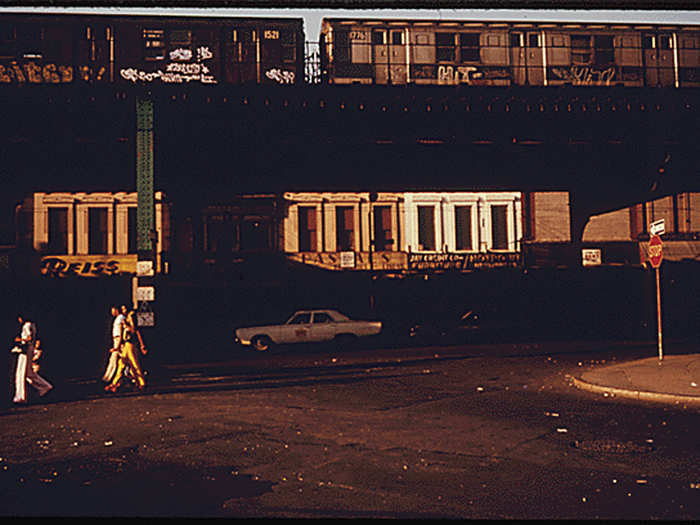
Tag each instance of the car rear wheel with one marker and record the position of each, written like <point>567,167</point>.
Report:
<point>261,343</point>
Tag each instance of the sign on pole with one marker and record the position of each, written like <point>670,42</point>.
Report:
<point>655,251</point>
<point>657,227</point>
<point>656,256</point>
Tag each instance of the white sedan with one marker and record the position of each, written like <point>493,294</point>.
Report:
<point>308,326</point>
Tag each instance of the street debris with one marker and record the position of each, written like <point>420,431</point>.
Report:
<point>693,384</point>
<point>479,388</point>
<point>562,430</point>
<point>108,443</point>
<point>641,482</point>
<point>552,414</point>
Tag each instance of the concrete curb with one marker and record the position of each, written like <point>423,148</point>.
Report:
<point>637,394</point>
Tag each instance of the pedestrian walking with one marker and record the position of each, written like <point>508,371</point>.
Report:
<point>130,337</point>
<point>115,350</point>
<point>24,373</point>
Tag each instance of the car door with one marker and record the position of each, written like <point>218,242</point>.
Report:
<point>323,327</point>
<point>658,53</point>
<point>297,329</point>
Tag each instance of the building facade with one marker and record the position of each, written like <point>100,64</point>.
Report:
<point>88,234</point>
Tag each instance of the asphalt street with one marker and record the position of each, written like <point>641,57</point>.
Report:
<point>441,432</point>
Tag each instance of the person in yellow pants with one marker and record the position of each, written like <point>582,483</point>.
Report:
<point>128,356</point>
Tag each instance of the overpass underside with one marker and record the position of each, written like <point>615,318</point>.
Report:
<point>608,147</point>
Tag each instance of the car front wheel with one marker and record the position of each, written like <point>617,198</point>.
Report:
<point>261,343</point>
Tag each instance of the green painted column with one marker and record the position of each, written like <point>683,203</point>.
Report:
<point>145,224</point>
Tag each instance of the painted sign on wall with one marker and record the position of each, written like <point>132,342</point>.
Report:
<point>87,265</point>
<point>462,261</point>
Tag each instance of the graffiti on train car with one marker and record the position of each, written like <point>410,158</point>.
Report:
<point>584,75</point>
<point>87,265</point>
<point>179,70</point>
<point>283,77</point>
<point>31,72</point>
<point>452,75</point>
<point>462,261</point>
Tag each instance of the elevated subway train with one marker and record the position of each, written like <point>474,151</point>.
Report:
<point>422,52</point>
<point>129,49</point>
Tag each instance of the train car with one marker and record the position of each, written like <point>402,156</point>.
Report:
<point>108,49</point>
<point>423,52</point>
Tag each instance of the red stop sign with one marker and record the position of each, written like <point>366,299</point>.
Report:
<point>655,251</point>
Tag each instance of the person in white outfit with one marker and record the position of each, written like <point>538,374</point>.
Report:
<point>114,352</point>
<point>24,373</point>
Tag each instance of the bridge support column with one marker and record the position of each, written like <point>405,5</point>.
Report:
<point>146,240</point>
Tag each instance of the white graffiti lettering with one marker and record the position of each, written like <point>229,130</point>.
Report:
<point>585,76</point>
<point>283,77</point>
<point>176,72</point>
<point>181,54</point>
<point>203,53</point>
<point>450,75</point>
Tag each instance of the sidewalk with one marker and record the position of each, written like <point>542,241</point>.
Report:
<point>675,379</point>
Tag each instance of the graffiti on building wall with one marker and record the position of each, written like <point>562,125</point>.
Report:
<point>87,265</point>
<point>34,73</point>
<point>462,261</point>
<point>283,77</point>
<point>584,75</point>
<point>180,70</point>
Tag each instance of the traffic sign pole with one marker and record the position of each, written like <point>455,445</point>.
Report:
<point>658,315</point>
<point>656,256</point>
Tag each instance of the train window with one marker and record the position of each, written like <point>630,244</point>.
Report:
<point>603,41</point>
<point>397,38</point>
<point>289,50</point>
<point>180,37</point>
<point>7,41</point>
<point>649,42</point>
<point>242,35</point>
<point>581,49</point>
<point>341,47</point>
<point>533,40</point>
<point>558,41</point>
<point>689,43</point>
<point>604,53</point>
<point>445,46</point>
<point>154,44</point>
<point>379,37</point>
<point>469,47</point>
<point>30,41</point>
<point>580,41</point>
<point>517,40</point>
<point>665,42</point>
